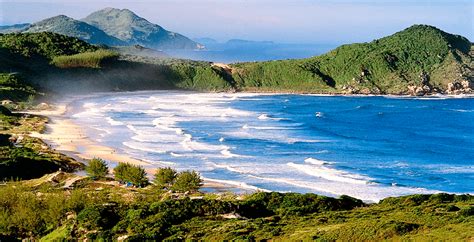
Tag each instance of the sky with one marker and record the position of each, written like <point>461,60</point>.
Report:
<point>284,21</point>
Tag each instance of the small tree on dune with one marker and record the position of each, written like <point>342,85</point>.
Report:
<point>187,181</point>
<point>165,177</point>
<point>136,175</point>
<point>97,168</point>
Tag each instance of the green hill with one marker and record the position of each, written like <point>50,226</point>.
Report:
<point>70,27</point>
<point>418,60</point>
<point>420,56</point>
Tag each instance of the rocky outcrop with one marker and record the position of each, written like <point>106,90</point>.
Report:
<point>459,87</point>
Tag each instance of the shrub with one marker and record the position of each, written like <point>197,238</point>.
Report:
<point>97,168</point>
<point>136,175</point>
<point>468,211</point>
<point>165,177</point>
<point>187,181</point>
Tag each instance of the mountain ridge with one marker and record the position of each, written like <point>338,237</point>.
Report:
<point>133,29</point>
<point>112,27</point>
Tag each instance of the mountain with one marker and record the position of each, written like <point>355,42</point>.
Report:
<point>418,60</point>
<point>14,28</point>
<point>65,25</point>
<point>132,29</point>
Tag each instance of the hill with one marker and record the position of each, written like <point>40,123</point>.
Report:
<point>132,29</point>
<point>418,60</point>
<point>67,26</point>
<point>14,28</point>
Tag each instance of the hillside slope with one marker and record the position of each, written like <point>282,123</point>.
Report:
<point>132,29</point>
<point>418,60</point>
<point>70,27</point>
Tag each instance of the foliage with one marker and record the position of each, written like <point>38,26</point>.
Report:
<point>97,168</point>
<point>104,215</point>
<point>165,177</point>
<point>187,181</point>
<point>129,173</point>
<point>94,59</point>
<point>43,44</point>
<point>386,65</point>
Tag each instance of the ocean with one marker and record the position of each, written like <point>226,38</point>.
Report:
<point>368,147</point>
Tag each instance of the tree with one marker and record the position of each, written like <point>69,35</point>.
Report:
<point>187,181</point>
<point>125,172</point>
<point>165,177</point>
<point>97,168</point>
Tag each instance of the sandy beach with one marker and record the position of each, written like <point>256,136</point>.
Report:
<point>63,135</point>
<point>67,137</point>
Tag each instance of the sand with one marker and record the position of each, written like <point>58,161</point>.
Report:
<point>67,137</point>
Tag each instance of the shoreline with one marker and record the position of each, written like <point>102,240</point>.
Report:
<point>68,138</point>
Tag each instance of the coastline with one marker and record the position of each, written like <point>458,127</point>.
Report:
<point>68,138</point>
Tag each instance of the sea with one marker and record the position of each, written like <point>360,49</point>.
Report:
<point>368,147</point>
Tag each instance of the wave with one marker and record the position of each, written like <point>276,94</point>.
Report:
<point>142,147</point>
<point>317,162</point>
<point>113,122</point>
<point>228,154</point>
<point>238,184</point>
<point>318,169</point>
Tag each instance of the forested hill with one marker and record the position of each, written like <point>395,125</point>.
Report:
<point>418,60</point>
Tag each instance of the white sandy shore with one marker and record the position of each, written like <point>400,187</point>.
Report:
<point>63,135</point>
<point>67,137</point>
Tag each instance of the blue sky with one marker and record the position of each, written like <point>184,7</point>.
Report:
<point>297,21</point>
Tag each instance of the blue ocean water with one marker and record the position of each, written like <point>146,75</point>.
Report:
<point>366,147</point>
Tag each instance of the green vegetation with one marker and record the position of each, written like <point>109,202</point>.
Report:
<point>94,59</point>
<point>140,214</point>
<point>97,169</point>
<point>43,44</point>
<point>187,181</point>
<point>128,173</point>
<point>419,55</point>
<point>24,157</point>
<point>165,177</point>
<point>418,60</point>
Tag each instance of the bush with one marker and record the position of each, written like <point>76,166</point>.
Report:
<point>187,181</point>
<point>165,177</point>
<point>97,168</point>
<point>136,175</point>
<point>468,211</point>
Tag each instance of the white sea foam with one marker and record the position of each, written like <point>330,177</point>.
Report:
<point>318,169</point>
<point>113,122</point>
<point>238,184</point>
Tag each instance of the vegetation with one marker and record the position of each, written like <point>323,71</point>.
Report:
<point>386,65</point>
<point>97,168</point>
<point>24,157</point>
<point>94,59</point>
<point>141,214</point>
<point>133,174</point>
<point>165,177</point>
<point>187,181</point>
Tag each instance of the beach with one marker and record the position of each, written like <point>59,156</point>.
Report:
<point>67,137</point>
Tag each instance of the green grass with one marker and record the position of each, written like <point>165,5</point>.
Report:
<point>94,59</point>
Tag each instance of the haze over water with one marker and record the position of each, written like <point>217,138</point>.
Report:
<point>366,147</point>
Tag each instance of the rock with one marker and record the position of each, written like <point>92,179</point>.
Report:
<point>43,106</point>
<point>459,87</point>
<point>6,102</point>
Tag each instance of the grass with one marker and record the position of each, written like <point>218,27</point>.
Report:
<point>94,59</point>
